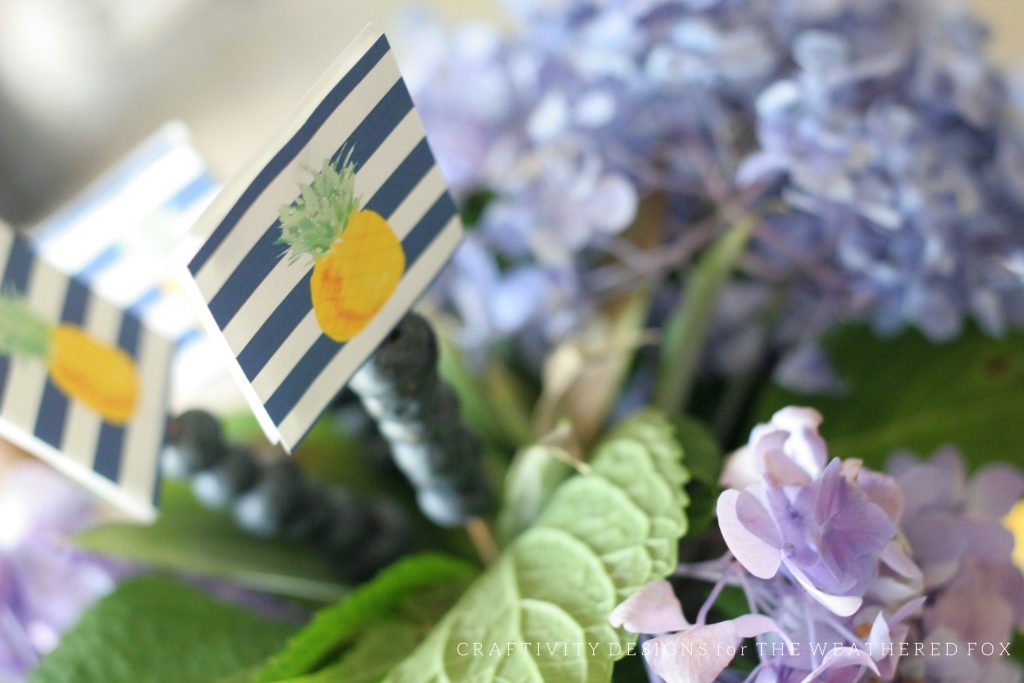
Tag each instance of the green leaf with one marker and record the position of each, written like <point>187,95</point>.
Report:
<point>686,329</point>
<point>908,392</point>
<point>704,462</point>
<point>188,537</point>
<point>371,658</point>
<point>602,536</point>
<point>493,403</point>
<point>333,626</point>
<point>535,474</point>
<point>156,630</point>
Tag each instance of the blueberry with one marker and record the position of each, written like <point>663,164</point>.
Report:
<point>402,363</point>
<point>270,505</point>
<point>349,523</point>
<point>217,486</point>
<point>376,451</point>
<point>424,463</point>
<point>389,537</point>
<point>414,419</point>
<point>194,443</point>
<point>313,514</point>
<point>448,507</point>
<point>353,419</point>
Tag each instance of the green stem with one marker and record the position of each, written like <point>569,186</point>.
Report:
<point>688,326</point>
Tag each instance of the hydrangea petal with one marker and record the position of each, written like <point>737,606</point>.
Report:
<point>750,533</point>
<point>839,658</point>
<point>994,489</point>
<point>843,605</point>
<point>654,609</point>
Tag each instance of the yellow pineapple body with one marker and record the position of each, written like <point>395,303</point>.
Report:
<point>101,376</point>
<point>353,281</point>
<point>1015,523</point>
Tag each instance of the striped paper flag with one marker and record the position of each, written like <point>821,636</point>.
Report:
<point>118,237</point>
<point>317,251</point>
<point>83,382</point>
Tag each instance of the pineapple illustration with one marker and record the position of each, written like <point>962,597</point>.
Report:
<point>358,260</point>
<point>101,376</point>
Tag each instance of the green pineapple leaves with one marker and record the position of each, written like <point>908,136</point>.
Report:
<point>313,223</point>
<point>23,334</point>
<point>540,612</point>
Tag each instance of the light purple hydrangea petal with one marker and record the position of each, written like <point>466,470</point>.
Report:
<point>654,610</point>
<point>749,532</point>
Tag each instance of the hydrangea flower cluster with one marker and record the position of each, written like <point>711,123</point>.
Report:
<point>847,570</point>
<point>954,527</point>
<point>877,146</point>
<point>45,582</point>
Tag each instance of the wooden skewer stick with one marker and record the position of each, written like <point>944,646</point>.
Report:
<point>483,540</point>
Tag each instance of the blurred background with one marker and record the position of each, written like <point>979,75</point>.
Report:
<point>83,81</point>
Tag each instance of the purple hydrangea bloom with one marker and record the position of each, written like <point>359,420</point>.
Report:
<point>880,149</point>
<point>976,593</point>
<point>45,582</point>
<point>929,565</point>
<point>810,520</point>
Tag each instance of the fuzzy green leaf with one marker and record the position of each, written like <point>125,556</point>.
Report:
<point>158,631</point>
<point>535,474</point>
<point>602,536</point>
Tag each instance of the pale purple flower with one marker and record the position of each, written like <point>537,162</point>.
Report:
<point>976,592</point>
<point>45,581</point>
<point>684,652</point>
<point>805,518</point>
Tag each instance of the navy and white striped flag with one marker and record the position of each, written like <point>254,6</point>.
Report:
<point>317,251</point>
<point>83,382</point>
<point>118,236</point>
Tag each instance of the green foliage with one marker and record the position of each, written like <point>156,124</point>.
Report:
<point>494,403</point>
<point>602,536</point>
<point>704,462</point>
<point>475,204</point>
<point>376,652</point>
<point>316,220</point>
<point>686,329</point>
<point>22,332</point>
<point>907,392</point>
<point>158,631</point>
<point>338,624</point>
<point>188,537</point>
<point>533,477</point>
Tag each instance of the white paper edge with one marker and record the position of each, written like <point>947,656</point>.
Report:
<point>99,485</point>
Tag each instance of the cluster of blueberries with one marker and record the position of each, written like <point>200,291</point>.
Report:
<point>416,417</point>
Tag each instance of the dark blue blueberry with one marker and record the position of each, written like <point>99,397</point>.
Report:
<point>194,443</point>
<point>389,537</point>
<point>349,524</point>
<point>425,463</point>
<point>313,514</point>
<point>406,359</point>
<point>450,507</point>
<point>217,486</point>
<point>271,504</point>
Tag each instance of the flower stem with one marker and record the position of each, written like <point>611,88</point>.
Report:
<point>687,328</point>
